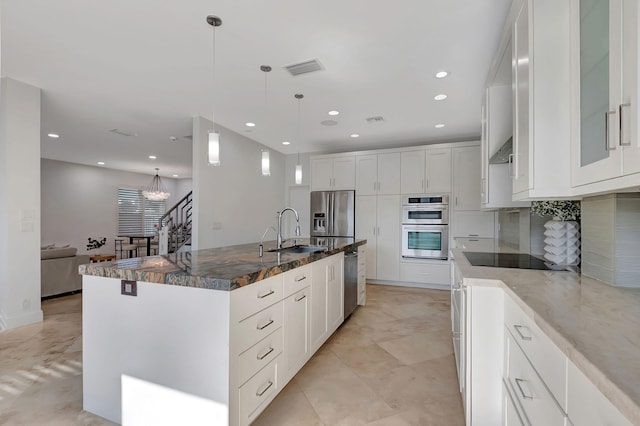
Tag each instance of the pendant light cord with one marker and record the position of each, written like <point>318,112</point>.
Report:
<point>213,103</point>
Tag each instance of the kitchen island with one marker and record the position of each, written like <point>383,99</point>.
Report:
<point>588,337</point>
<point>214,334</point>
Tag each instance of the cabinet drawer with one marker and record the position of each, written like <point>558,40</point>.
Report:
<point>544,355</point>
<point>587,406</point>
<point>257,392</point>
<point>427,273</point>
<point>511,416</point>
<point>258,326</point>
<point>259,355</point>
<point>254,297</point>
<point>475,244</point>
<point>296,279</point>
<point>538,405</point>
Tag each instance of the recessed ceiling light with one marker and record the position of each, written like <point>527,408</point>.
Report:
<point>334,112</point>
<point>286,143</point>
<point>354,135</point>
<point>175,175</point>
<point>53,135</point>
<point>101,163</point>
<point>440,97</point>
<point>441,74</point>
<point>439,126</point>
<point>152,157</point>
<point>250,124</point>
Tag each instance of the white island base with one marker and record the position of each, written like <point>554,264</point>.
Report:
<point>184,355</point>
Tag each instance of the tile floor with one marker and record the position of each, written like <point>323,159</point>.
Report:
<point>391,363</point>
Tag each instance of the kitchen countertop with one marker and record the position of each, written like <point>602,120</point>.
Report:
<point>596,325</point>
<point>224,268</point>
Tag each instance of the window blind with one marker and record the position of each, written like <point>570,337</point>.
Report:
<point>136,215</point>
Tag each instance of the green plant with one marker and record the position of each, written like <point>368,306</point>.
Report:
<point>559,209</point>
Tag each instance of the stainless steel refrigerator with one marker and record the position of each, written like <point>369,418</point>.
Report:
<point>333,214</point>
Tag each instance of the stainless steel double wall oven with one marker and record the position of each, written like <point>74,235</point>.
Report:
<point>425,226</point>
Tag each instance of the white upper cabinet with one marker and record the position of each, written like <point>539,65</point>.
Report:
<point>412,172</point>
<point>328,174</point>
<point>438,171</point>
<point>466,182</point>
<point>378,174</point>
<point>606,143</point>
<point>542,102</point>
<point>426,171</point>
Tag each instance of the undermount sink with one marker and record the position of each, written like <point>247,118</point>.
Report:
<point>299,249</point>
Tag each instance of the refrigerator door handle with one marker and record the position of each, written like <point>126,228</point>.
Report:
<point>332,212</point>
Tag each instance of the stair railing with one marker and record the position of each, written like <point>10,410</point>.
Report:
<point>174,227</point>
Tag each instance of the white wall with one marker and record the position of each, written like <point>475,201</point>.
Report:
<point>233,202</point>
<point>19,204</point>
<point>81,201</point>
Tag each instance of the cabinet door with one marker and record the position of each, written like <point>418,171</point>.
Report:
<point>335,292</point>
<point>388,173</point>
<point>367,228</point>
<point>520,158</point>
<point>629,111</point>
<point>466,179</point>
<point>321,174</point>
<point>319,327</point>
<point>367,174</point>
<point>438,171</point>
<point>388,229</point>
<point>344,173</point>
<point>412,172</point>
<point>297,342</point>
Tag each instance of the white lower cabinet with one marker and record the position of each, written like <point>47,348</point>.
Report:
<point>327,298</point>
<point>436,272</point>
<point>297,342</point>
<point>258,392</point>
<point>510,415</point>
<point>362,274</point>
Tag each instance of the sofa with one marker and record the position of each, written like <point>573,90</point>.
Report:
<point>59,270</point>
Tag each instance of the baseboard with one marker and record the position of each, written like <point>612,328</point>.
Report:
<point>66,293</point>
<point>9,322</point>
<point>411,284</point>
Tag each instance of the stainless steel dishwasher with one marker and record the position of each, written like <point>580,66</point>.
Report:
<point>350,282</point>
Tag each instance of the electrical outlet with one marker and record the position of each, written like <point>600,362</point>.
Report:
<point>129,288</point>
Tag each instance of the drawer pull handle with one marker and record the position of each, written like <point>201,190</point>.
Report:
<point>262,327</point>
<point>299,298</point>
<point>519,384</point>
<point>266,388</point>
<point>304,277</point>
<point>522,336</point>
<point>266,294</point>
<point>266,354</point>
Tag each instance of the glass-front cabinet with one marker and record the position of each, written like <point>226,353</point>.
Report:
<point>606,145</point>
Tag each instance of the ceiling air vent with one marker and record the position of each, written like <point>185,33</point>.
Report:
<point>377,119</point>
<point>122,132</point>
<point>304,67</point>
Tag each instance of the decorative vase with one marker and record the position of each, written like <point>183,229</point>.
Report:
<point>562,242</point>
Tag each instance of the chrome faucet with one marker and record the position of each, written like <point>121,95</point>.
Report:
<point>279,240</point>
<point>261,246</point>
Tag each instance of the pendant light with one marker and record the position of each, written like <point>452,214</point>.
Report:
<point>156,191</point>
<point>266,168</point>
<point>298,175</point>
<point>214,137</point>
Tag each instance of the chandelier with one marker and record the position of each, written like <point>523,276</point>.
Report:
<point>156,191</point>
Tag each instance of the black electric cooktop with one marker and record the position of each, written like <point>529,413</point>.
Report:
<point>507,260</point>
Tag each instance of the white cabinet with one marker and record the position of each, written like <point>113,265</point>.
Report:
<point>497,128</point>
<point>378,174</point>
<point>543,103</point>
<point>297,342</point>
<point>433,273</point>
<point>473,224</point>
<point>606,145</point>
<point>333,173</point>
<point>412,172</point>
<point>466,178</point>
<point>426,171</point>
<point>378,221</point>
<point>327,298</point>
<point>362,274</point>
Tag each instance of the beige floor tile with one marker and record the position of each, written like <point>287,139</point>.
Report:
<point>289,408</point>
<point>419,347</point>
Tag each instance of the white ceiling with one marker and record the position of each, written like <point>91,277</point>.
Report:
<point>146,67</point>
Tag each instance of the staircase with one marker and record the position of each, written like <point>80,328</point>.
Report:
<point>175,226</point>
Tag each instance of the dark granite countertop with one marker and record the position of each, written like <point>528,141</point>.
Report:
<point>224,268</point>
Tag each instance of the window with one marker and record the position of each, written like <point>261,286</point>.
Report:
<point>136,214</point>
